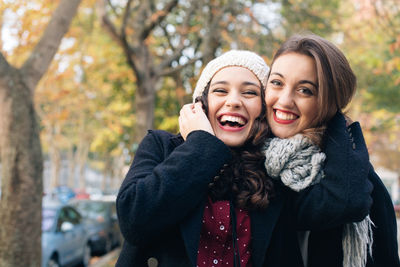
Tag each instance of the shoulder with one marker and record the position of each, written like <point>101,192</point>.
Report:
<point>162,137</point>
<point>161,134</point>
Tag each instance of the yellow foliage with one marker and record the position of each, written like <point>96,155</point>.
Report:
<point>170,124</point>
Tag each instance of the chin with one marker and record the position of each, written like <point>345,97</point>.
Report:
<point>233,143</point>
<point>282,134</point>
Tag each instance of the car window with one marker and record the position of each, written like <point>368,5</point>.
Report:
<point>62,217</point>
<point>92,209</point>
<point>48,219</point>
<point>73,216</point>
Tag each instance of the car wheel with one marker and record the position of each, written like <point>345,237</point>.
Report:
<point>53,262</point>
<point>87,254</point>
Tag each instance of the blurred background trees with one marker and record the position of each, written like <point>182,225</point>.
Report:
<point>127,65</point>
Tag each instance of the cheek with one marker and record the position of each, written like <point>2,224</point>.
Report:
<point>311,112</point>
<point>256,108</point>
<point>211,108</point>
<point>269,99</point>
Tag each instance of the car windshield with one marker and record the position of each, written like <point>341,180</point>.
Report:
<point>92,210</point>
<point>48,219</point>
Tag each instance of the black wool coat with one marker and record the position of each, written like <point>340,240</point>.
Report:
<point>325,247</point>
<point>161,201</point>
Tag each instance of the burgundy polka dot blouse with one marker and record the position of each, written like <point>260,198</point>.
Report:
<point>215,246</point>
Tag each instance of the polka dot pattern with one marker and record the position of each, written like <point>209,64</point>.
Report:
<point>215,246</point>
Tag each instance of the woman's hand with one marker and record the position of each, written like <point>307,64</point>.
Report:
<point>192,118</point>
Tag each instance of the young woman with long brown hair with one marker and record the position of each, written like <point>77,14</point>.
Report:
<point>309,85</point>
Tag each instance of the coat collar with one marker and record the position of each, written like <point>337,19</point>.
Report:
<point>262,226</point>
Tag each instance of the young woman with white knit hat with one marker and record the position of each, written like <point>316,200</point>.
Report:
<point>203,198</point>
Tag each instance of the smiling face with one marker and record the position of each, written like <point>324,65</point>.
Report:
<point>234,102</point>
<point>291,95</point>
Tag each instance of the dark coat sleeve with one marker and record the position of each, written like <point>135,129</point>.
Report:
<point>385,247</point>
<point>344,194</point>
<point>165,183</point>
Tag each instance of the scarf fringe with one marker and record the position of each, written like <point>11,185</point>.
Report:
<point>357,243</point>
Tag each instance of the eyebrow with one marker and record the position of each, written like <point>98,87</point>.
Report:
<point>243,83</point>
<point>300,82</point>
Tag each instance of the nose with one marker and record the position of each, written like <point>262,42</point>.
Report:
<point>286,98</point>
<point>233,100</point>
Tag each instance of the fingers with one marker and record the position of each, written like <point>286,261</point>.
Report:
<point>185,116</point>
<point>198,107</point>
<point>191,118</point>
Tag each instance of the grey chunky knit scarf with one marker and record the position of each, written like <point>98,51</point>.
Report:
<point>298,163</point>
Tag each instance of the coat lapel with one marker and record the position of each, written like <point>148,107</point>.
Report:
<point>190,229</point>
<point>262,226</point>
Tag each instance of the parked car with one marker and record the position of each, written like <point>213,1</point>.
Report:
<point>65,238</point>
<point>105,233</point>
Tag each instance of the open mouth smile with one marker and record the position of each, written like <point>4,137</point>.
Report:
<point>284,117</point>
<point>232,122</point>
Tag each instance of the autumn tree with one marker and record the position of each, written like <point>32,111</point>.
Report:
<point>100,83</point>
<point>161,38</point>
<point>21,154</point>
<point>371,40</point>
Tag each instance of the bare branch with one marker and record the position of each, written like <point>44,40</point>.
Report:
<point>43,53</point>
<point>168,60</point>
<point>168,37</point>
<point>170,71</point>
<point>263,25</point>
<point>125,19</point>
<point>177,51</point>
<point>117,37</point>
<point>157,19</point>
<point>112,7</point>
<point>4,66</point>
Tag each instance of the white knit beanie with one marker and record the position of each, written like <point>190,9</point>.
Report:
<point>241,58</point>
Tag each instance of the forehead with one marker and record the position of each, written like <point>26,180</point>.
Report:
<point>295,66</point>
<point>235,74</point>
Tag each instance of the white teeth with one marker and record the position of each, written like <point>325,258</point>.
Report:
<point>225,118</point>
<point>285,116</point>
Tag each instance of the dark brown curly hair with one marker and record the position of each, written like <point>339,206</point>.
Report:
<point>244,179</point>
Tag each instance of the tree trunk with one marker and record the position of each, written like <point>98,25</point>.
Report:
<point>55,164</point>
<point>81,159</point>
<point>22,188</point>
<point>144,104</point>
<point>55,158</point>
<point>71,168</point>
<point>20,149</point>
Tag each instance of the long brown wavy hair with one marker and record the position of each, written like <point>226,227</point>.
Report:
<point>244,179</point>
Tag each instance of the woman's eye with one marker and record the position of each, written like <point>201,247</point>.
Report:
<point>219,90</point>
<point>276,82</point>
<point>306,91</point>
<point>251,92</point>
